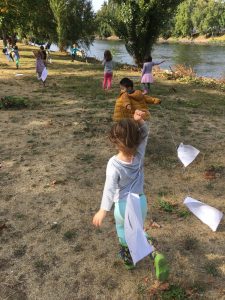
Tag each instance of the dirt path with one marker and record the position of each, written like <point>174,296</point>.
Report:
<point>52,170</point>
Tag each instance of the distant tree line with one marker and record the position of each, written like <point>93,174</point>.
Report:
<point>190,18</point>
<point>138,22</point>
<point>60,21</point>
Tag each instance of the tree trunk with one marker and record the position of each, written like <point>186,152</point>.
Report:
<point>4,38</point>
<point>139,52</point>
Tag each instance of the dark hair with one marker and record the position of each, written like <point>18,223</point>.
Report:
<point>148,58</point>
<point>107,55</point>
<point>126,136</point>
<point>42,47</point>
<point>126,82</point>
<point>15,48</point>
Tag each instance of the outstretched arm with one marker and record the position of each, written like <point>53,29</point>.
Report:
<point>152,100</point>
<point>35,52</point>
<point>138,116</point>
<point>111,185</point>
<point>156,64</point>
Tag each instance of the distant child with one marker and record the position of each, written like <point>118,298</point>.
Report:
<point>108,70</point>
<point>74,51</point>
<point>40,66</point>
<point>130,100</point>
<point>124,175</point>
<point>16,56</point>
<point>146,76</point>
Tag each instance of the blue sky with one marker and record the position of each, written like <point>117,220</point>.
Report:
<point>97,4</point>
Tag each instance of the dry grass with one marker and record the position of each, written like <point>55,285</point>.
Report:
<point>52,169</point>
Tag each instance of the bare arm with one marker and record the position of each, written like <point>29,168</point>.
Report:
<point>156,64</point>
<point>152,100</point>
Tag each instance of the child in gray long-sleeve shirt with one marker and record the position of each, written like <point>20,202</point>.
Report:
<point>124,174</point>
<point>108,70</point>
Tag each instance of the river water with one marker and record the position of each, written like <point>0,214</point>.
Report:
<point>206,60</point>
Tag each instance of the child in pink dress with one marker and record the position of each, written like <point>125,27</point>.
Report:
<point>146,76</point>
<point>108,70</point>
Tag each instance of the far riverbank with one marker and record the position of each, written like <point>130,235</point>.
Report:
<point>186,40</point>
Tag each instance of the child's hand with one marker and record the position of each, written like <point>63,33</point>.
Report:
<point>157,101</point>
<point>128,106</point>
<point>138,115</point>
<point>98,217</point>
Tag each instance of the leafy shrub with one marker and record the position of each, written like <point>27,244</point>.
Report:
<point>8,102</point>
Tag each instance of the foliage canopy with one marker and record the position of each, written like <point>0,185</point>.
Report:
<point>63,22</point>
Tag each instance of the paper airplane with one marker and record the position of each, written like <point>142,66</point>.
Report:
<point>187,153</point>
<point>134,233</point>
<point>44,74</point>
<point>207,214</point>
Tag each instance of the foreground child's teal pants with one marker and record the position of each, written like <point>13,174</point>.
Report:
<point>119,214</point>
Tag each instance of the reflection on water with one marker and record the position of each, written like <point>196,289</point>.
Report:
<point>207,60</point>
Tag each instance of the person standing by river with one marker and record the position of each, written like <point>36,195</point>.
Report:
<point>108,70</point>
<point>146,76</point>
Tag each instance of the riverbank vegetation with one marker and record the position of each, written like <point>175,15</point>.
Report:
<point>53,155</point>
<point>191,19</point>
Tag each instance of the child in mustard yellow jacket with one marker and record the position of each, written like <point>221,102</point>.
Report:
<point>130,100</point>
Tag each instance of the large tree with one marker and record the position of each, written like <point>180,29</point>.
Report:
<point>103,16</point>
<point>28,18</point>
<point>63,22</point>
<point>140,22</point>
<point>75,21</point>
<point>201,16</point>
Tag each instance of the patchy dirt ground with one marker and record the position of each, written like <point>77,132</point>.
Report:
<point>53,157</point>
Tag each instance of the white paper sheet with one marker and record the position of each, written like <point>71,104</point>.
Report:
<point>207,214</point>
<point>134,233</point>
<point>44,74</point>
<point>187,153</point>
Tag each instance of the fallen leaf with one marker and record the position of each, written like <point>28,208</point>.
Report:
<point>53,183</point>
<point>155,225</point>
<point>3,226</point>
<point>158,286</point>
<point>146,279</point>
<point>210,175</point>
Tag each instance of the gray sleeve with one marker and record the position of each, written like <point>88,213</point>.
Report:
<point>111,184</point>
<point>144,135</point>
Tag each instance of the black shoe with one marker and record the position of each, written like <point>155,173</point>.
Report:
<point>126,257</point>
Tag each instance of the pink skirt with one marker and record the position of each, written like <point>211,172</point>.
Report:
<point>147,78</point>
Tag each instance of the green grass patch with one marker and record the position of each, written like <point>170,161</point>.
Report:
<point>166,205</point>
<point>190,243</point>
<point>14,102</point>
<point>174,292</point>
<point>41,267</point>
<point>70,234</point>
<point>212,269</point>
